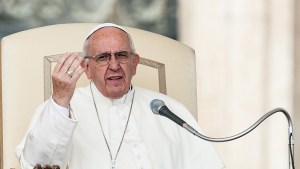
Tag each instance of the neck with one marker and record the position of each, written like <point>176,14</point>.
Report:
<point>110,100</point>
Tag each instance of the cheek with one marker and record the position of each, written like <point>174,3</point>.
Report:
<point>129,71</point>
<point>135,64</point>
<point>133,69</point>
<point>94,73</point>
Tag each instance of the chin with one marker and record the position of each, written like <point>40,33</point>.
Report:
<point>116,94</point>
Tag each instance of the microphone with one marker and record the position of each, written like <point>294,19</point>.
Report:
<point>159,107</point>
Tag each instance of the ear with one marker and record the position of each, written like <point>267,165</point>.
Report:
<point>85,65</point>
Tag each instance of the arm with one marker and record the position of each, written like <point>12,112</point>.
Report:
<point>48,140</point>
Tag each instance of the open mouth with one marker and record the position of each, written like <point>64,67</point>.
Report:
<point>115,78</point>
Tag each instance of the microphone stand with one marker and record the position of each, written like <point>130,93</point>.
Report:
<point>258,122</point>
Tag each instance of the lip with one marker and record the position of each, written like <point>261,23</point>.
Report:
<point>114,78</point>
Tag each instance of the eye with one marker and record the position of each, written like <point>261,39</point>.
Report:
<point>102,57</point>
<point>122,55</point>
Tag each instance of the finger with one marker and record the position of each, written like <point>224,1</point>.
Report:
<point>61,62</point>
<point>37,166</point>
<point>55,167</point>
<point>68,62</point>
<point>78,73</point>
<point>47,167</point>
<point>74,67</point>
<point>76,63</point>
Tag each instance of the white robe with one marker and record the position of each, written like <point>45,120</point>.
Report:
<point>151,141</point>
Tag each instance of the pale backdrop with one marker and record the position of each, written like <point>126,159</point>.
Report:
<point>244,69</point>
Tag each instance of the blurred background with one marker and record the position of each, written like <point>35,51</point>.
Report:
<point>248,61</point>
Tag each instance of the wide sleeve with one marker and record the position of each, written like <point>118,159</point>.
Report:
<point>48,139</point>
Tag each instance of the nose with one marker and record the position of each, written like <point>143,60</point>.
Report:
<point>113,63</point>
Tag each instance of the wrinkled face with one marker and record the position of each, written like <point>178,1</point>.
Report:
<point>113,80</point>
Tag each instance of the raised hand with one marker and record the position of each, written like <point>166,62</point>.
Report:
<point>64,77</point>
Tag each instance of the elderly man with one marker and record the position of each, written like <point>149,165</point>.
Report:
<point>108,124</point>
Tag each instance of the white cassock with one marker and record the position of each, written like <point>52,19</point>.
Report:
<point>150,142</point>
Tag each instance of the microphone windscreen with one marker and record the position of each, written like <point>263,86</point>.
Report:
<point>155,105</point>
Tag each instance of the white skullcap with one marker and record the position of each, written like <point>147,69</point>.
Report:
<point>103,25</point>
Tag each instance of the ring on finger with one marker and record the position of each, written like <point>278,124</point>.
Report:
<point>70,73</point>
